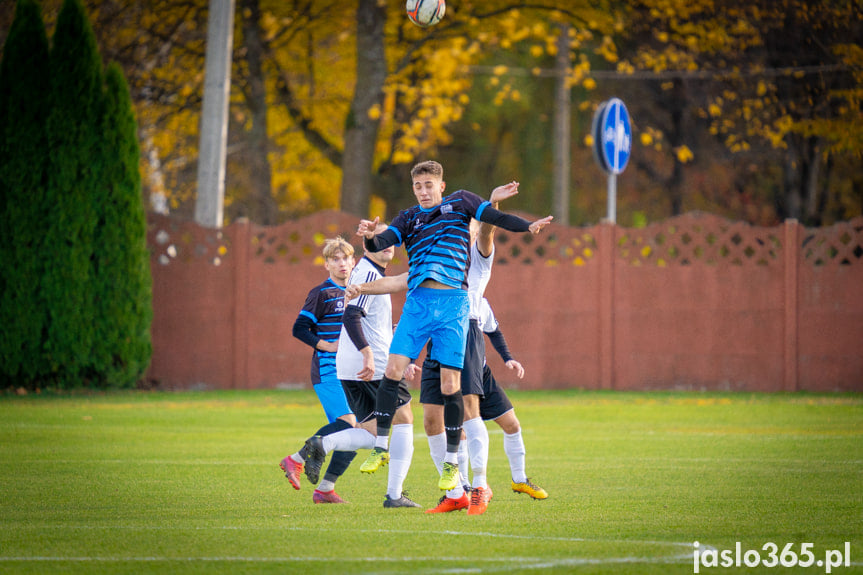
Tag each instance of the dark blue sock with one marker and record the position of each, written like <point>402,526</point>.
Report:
<point>333,427</point>
<point>453,417</point>
<point>385,405</point>
<point>339,463</point>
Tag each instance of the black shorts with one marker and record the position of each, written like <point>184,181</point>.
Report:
<point>494,401</point>
<point>362,396</point>
<point>471,373</point>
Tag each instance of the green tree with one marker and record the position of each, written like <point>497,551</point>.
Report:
<point>121,273</point>
<point>74,135</point>
<point>24,156</point>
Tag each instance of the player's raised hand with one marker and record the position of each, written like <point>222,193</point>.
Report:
<point>503,192</point>
<point>537,226</point>
<point>367,228</point>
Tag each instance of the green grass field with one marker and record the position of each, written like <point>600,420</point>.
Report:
<point>189,483</point>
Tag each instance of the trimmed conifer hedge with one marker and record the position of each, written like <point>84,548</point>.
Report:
<point>24,100</point>
<point>75,281</point>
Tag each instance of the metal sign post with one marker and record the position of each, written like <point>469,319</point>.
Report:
<point>612,143</point>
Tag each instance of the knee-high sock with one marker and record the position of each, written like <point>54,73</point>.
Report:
<point>437,450</point>
<point>339,463</point>
<point>464,462</point>
<point>477,445</point>
<point>453,415</point>
<point>385,408</point>
<point>349,440</point>
<point>401,453</point>
<point>513,446</point>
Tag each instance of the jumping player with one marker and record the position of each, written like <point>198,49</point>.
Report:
<point>496,406</point>
<point>436,235</point>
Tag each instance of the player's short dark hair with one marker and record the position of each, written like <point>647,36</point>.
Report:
<point>429,167</point>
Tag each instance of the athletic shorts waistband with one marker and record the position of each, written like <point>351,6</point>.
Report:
<point>428,292</point>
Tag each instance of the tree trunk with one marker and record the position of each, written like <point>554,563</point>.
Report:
<point>262,206</point>
<point>361,131</point>
<point>679,130</point>
<point>792,202</point>
<point>812,171</point>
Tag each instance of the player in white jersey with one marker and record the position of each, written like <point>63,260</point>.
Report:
<point>496,406</point>
<point>476,433</point>
<point>367,331</point>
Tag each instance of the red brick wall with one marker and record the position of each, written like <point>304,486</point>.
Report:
<point>695,302</point>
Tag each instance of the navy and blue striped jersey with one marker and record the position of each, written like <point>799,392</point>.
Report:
<point>437,240</point>
<point>323,314</point>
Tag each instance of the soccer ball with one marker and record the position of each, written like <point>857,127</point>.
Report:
<point>425,13</point>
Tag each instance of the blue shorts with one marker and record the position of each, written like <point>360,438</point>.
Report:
<point>332,398</point>
<point>437,314</point>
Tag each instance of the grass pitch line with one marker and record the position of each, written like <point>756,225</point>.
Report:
<point>522,562</point>
<point>370,531</point>
<point>511,536</point>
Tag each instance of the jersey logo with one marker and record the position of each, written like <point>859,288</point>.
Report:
<point>446,209</point>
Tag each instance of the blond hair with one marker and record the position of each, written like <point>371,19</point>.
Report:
<point>338,243</point>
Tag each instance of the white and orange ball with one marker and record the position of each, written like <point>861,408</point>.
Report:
<point>425,13</point>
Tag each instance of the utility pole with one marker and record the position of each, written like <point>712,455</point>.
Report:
<point>562,131</point>
<point>210,202</point>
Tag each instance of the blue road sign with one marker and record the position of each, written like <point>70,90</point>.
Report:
<point>612,136</point>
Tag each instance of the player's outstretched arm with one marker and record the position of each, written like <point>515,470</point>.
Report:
<point>537,226</point>
<point>511,222</point>
<point>380,286</point>
<point>485,238</point>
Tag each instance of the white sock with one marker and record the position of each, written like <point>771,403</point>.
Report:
<point>382,441</point>
<point>455,493</point>
<point>298,458</point>
<point>348,440</point>
<point>477,445</point>
<point>437,450</point>
<point>451,457</point>
<point>401,453</point>
<point>326,486</point>
<point>463,462</point>
<point>513,446</point>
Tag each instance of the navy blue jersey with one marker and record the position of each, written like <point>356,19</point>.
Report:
<point>437,239</point>
<point>322,317</point>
